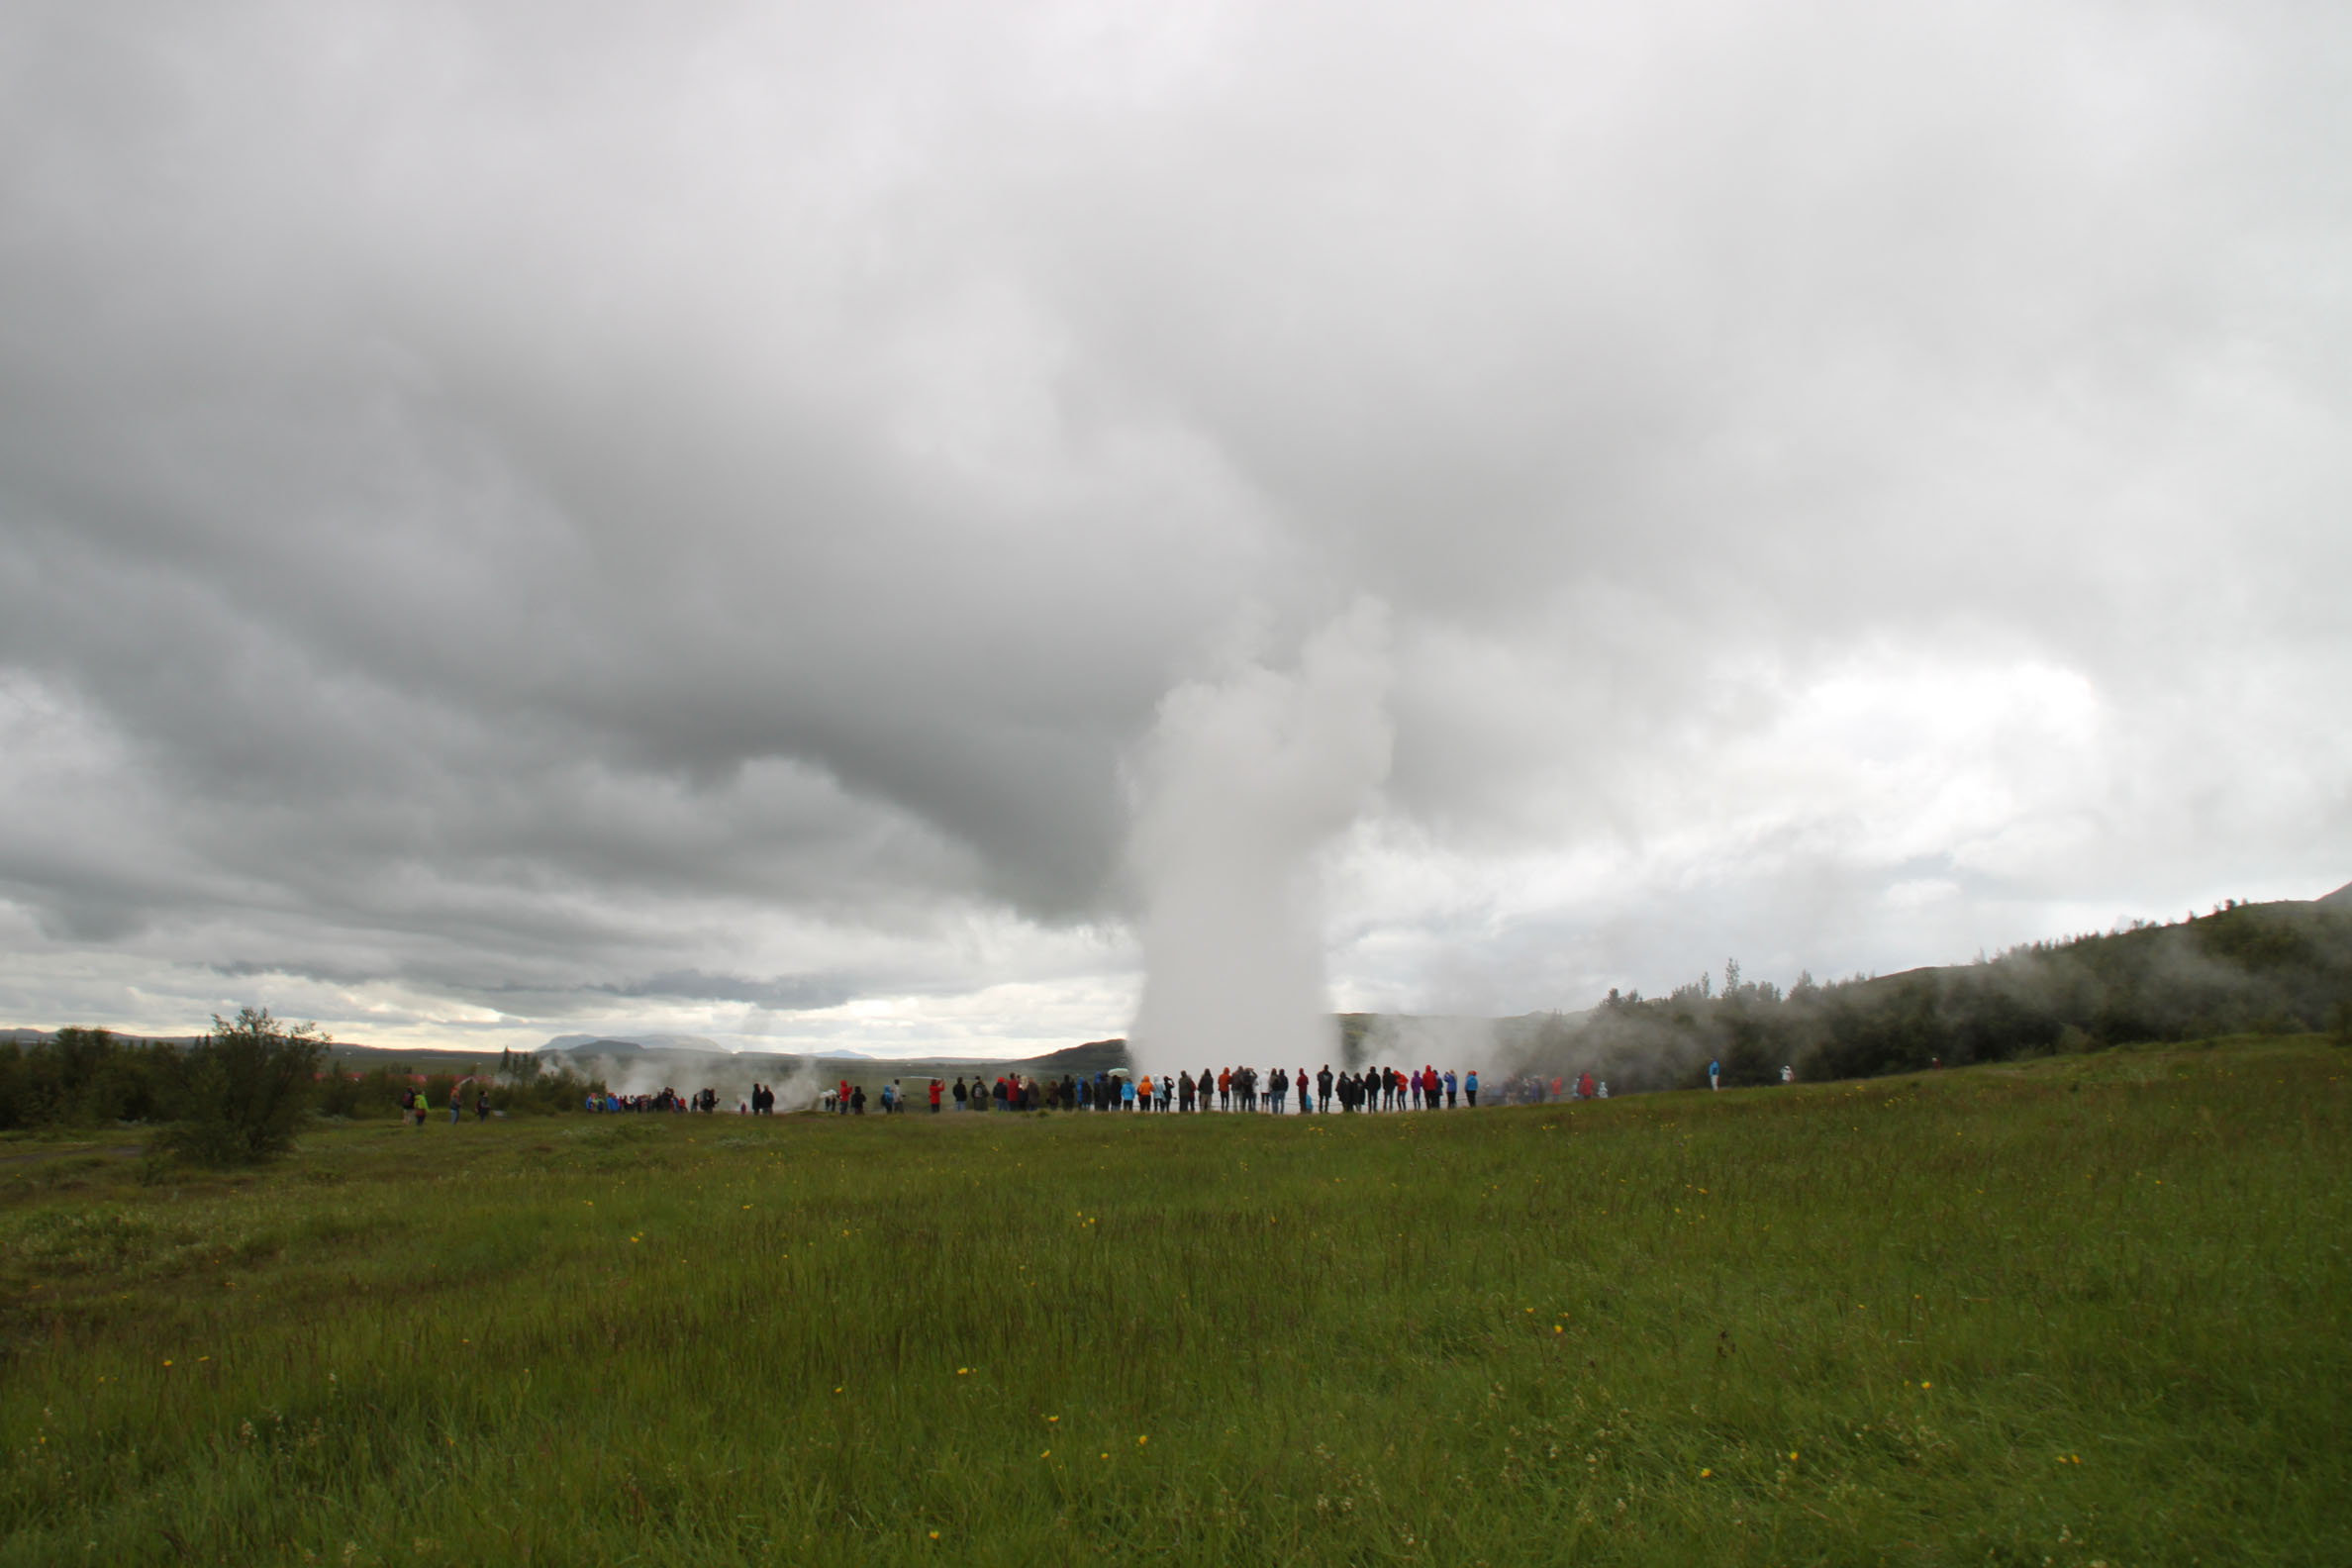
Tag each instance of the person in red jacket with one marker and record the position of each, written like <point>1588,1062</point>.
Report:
<point>934,1097</point>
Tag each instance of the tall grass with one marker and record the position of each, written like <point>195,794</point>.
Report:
<point>2086,1311</point>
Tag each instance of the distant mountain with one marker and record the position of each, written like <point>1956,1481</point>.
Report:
<point>622,1045</point>
<point>2341,898</point>
<point>591,1045</point>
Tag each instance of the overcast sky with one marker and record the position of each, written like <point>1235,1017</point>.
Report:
<point>530,519</point>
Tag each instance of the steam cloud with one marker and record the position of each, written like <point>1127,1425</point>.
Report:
<point>1242,784</point>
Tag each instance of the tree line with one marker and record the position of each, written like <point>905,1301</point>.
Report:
<point>239,1093</point>
<point>2246,968</point>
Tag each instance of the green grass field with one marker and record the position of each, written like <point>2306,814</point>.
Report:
<point>2086,1311</point>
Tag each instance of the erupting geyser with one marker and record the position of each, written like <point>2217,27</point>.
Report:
<point>1241,783</point>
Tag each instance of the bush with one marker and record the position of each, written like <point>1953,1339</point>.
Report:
<point>247,1085</point>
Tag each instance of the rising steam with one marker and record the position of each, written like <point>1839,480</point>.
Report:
<point>1242,784</point>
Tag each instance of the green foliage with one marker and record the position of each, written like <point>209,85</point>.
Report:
<point>2074,1311</point>
<point>247,1085</point>
<point>535,1082</point>
<point>85,1077</point>
<point>2253,968</point>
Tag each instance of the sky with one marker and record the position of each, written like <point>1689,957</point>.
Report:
<point>588,518</point>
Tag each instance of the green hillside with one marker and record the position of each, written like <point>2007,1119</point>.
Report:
<point>2275,968</point>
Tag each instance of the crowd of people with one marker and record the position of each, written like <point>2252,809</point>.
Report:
<point>1277,1092</point>
<point>705,1100</point>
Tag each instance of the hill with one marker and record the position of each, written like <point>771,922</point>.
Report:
<point>2276,968</point>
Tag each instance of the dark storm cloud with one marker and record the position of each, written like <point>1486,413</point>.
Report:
<point>787,995</point>
<point>512,502</point>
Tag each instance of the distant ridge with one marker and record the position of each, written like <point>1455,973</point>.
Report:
<point>2341,898</point>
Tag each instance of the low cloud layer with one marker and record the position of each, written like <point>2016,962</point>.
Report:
<point>568,517</point>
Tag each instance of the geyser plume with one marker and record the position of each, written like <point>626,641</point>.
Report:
<point>1242,784</point>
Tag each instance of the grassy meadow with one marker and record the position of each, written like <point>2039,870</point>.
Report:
<point>2076,1312</point>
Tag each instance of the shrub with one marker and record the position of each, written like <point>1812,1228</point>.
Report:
<point>248,1084</point>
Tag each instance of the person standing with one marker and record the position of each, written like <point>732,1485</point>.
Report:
<point>935,1096</point>
<point>1322,1087</point>
<point>1470,1087</point>
<point>1127,1094</point>
<point>1714,1075</point>
<point>1225,1088</point>
<point>1143,1091</point>
<point>1278,1090</point>
<point>1450,1088</point>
